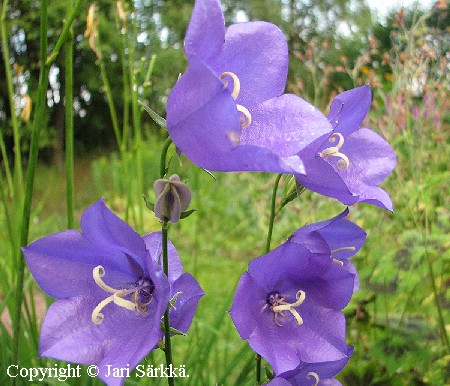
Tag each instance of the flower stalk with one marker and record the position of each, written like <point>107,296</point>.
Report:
<point>167,339</point>
<point>69,156</point>
<point>165,258</point>
<point>273,213</point>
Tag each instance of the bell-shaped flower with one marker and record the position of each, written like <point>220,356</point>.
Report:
<point>226,112</point>
<point>111,291</point>
<point>351,163</point>
<point>312,374</point>
<point>287,305</point>
<point>172,198</point>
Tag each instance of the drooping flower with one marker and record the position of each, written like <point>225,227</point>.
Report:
<point>111,291</point>
<point>226,112</point>
<point>172,198</point>
<point>287,305</point>
<point>351,163</point>
<point>308,374</point>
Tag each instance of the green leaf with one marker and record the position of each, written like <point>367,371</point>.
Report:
<point>157,118</point>
<point>150,205</point>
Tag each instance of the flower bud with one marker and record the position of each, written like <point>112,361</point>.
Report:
<point>172,198</point>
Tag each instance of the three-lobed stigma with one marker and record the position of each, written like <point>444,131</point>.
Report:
<point>333,151</point>
<point>141,294</point>
<point>246,117</point>
<point>278,305</point>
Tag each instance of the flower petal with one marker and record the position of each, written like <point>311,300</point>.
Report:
<point>349,109</point>
<point>322,178</point>
<point>337,233</point>
<point>205,125</point>
<point>122,340</point>
<point>285,125</point>
<point>102,227</point>
<point>62,264</point>
<point>257,53</point>
<point>202,116</point>
<point>371,161</point>
<point>206,31</point>
<point>247,305</point>
<point>186,303</point>
<point>153,243</point>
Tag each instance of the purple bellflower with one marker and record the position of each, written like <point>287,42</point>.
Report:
<point>287,305</point>
<point>226,112</point>
<point>111,291</point>
<point>353,161</point>
<point>308,374</point>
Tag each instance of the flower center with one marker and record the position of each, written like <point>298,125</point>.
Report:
<point>278,305</point>
<point>333,151</point>
<point>246,117</point>
<point>141,295</point>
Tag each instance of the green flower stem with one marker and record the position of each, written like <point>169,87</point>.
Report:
<point>69,154</point>
<point>38,123</point>
<point>112,107</point>
<point>273,213</point>
<point>136,118</point>
<point>167,342</point>
<point>165,256</point>
<point>64,34</point>
<point>18,177</point>
<point>162,169</point>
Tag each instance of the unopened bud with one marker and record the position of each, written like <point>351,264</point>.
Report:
<point>172,198</point>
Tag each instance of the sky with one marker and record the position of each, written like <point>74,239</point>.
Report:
<point>383,6</point>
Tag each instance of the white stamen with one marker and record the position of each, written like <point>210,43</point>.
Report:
<point>342,249</point>
<point>333,151</point>
<point>283,306</point>
<point>236,83</point>
<point>99,272</point>
<point>244,122</point>
<point>311,374</point>
<point>117,297</point>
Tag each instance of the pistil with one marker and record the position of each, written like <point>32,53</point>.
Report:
<point>278,305</point>
<point>314,375</point>
<point>333,151</point>
<point>246,118</point>
<point>141,293</point>
<point>341,263</point>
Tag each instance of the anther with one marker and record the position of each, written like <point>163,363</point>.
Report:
<point>236,83</point>
<point>333,151</point>
<point>281,306</point>
<point>246,120</point>
<point>314,375</point>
